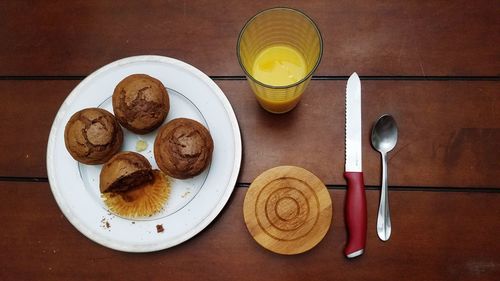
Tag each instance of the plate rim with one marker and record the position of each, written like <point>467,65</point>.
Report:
<point>215,211</point>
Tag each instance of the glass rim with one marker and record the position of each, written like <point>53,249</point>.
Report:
<point>309,74</point>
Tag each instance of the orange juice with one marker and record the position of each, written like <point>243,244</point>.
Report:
<point>279,65</point>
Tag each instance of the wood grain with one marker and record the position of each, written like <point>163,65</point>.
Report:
<point>449,130</point>
<point>28,109</point>
<point>436,236</point>
<point>372,38</point>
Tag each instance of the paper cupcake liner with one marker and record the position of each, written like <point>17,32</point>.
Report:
<point>140,202</point>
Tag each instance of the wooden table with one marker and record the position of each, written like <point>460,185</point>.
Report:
<point>433,65</point>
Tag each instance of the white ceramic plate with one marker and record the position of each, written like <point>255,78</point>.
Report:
<point>193,203</point>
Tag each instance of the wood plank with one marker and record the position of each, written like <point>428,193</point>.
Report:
<point>449,130</point>
<point>372,38</point>
<point>28,110</point>
<point>436,236</point>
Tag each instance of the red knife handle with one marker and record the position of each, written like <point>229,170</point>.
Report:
<point>355,214</point>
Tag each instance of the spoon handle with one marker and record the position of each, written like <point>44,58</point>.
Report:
<point>384,218</point>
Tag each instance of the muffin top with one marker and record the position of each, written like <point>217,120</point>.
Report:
<point>183,148</point>
<point>92,136</point>
<point>124,172</point>
<point>140,103</point>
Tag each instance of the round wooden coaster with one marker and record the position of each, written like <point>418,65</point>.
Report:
<point>287,210</point>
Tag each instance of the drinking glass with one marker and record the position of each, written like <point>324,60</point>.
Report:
<point>279,49</point>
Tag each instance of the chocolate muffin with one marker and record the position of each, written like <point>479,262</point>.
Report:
<point>92,136</point>
<point>140,103</point>
<point>130,188</point>
<point>125,171</point>
<point>183,148</point>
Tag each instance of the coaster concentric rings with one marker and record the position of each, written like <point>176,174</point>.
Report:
<point>287,210</point>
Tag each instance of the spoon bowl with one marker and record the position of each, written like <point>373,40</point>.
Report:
<point>385,134</point>
<point>384,139</point>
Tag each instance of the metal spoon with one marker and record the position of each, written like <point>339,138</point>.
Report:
<point>384,138</point>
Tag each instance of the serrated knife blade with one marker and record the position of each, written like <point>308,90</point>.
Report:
<point>355,208</point>
<point>353,157</point>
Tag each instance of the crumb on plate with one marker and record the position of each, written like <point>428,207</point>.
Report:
<point>159,228</point>
<point>141,145</point>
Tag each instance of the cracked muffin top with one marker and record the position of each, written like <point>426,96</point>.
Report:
<point>183,148</point>
<point>140,103</point>
<point>93,136</point>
